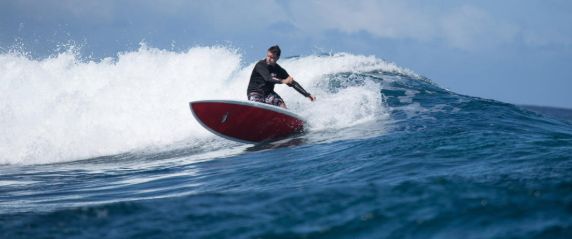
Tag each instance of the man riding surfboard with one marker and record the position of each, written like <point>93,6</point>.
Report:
<point>266,74</point>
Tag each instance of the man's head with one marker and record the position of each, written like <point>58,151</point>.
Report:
<point>273,54</point>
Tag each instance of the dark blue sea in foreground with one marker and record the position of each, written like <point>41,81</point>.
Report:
<point>437,165</point>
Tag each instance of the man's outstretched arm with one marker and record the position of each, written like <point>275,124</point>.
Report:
<point>301,90</point>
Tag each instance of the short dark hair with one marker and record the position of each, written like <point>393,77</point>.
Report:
<point>275,50</point>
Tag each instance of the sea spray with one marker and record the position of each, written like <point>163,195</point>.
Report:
<point>64,108</point>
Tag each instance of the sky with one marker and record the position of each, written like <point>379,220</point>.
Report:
<point>512,50</point>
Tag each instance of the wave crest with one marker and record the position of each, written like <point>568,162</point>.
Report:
<point>62,108</point>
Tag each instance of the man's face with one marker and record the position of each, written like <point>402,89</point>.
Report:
<point>271,58</point>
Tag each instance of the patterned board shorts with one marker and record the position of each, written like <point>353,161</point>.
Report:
<point>272,98</point>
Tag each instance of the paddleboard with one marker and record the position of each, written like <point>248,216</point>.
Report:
<point>246,121</point>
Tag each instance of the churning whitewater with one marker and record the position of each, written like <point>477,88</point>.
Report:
<point>63,109</point>
<point>109,149</point>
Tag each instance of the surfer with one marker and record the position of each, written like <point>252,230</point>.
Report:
<point>266,74</point>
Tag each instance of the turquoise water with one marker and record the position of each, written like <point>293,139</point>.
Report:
<point>415,161</point>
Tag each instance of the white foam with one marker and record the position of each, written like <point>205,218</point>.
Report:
<point>62,108</point>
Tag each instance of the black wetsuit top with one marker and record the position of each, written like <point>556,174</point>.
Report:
<point>262,81</point>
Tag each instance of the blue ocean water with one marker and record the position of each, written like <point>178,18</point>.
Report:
<point>387,154</point>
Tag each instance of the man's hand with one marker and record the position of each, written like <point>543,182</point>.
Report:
<point>311,97</point>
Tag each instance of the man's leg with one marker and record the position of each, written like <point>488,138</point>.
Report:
<point>275,99</point>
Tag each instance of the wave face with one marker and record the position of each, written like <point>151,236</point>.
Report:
<point>86,146</point>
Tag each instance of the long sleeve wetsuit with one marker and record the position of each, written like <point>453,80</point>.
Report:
<point>299,88</point>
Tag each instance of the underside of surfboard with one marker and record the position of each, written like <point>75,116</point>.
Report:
<point>246,121</point>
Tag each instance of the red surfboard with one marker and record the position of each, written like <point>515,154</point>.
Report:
<point>246,121</point>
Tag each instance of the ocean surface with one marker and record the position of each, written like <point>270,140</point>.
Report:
<point>108,148</point>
